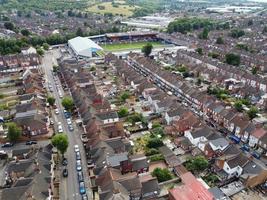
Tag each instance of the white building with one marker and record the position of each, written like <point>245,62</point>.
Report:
<point>84,47</point>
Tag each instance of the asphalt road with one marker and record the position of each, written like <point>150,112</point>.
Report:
<point>69,187</point>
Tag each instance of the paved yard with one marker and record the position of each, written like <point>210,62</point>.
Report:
<point>248,195</point>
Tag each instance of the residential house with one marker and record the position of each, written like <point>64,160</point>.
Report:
<point>255,136</point>
<point>192,189</point>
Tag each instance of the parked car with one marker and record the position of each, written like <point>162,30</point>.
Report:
<point>78,165</point>
<point>82,188</point>
<point>51,122</point>
<point>69,121</point>
<point>78,155</point>
<point>60,129</point>
<point>65,172</point>
<point>84,197</point>
<point>31,142</point>
<point>64,161</point>
<point>71,128</point>
<point>8,144</point>
<point>76,148</point>
<point>84,138</point>
<point>56,111</point>
<point>80,176</point>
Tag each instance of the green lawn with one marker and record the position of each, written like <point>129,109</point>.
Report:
<point>129,46</point>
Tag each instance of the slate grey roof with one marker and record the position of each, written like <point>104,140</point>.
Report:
<point>218,194</point>
<point>20,166</point>
<point>107,115</point>
<point>252,168</point>
<point>114,160</point>
<point>220,142</point>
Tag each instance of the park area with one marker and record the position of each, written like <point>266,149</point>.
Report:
<point>129,46</point>
<point>114,8</point>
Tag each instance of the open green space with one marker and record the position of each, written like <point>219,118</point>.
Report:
<point>129,46</point>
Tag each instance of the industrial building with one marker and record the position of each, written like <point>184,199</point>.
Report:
<point>84,47</point>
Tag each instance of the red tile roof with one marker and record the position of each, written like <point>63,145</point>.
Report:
<point>191,190</point>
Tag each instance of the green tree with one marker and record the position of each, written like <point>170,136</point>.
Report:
<point>9,25</point>
<point>123,112</point>
<point>25,32</point>
<point>154,142</point>
<point>232,59</point>
<point>40,51</point>
<point>220,40</point>
<point>254,70</point>
<point>156,125</point>
<point>68,103</point>
<point>205,34</point>
<point>79,32</point>
<point>125,95</point>
<point>237,33</point>
<point>199,51</point>
<point>198,163</point>
<point>46,46</point>
<point>158,131</point>
<point>147,49</point>
<point>162,174</point>
<point>238,106</point>
<point>252,112</point>
<point>14,132</point>
<point>51,101</point>
<point>61,142</point>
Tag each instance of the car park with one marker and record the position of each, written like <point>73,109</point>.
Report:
<point>76,148</point>
<point>80,176</point>
<point>78,165</point>
<point>64,161</point>
<point>31,142</point>
<point>7,144</point>
<point>82,188</point>
<point>65,172</point>
<point>78,155</point>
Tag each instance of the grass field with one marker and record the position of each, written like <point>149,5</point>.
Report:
<point>129,46</point>
<point>121,8</point>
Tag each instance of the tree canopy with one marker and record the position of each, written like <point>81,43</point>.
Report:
<point>198,163</point>
<point>68,103</point>
<point>60,141</point>
<point>51,100</point>
<point>232,59</point>
<point>14,132</point>
<point>252,112</point>
<point>123,112</point>
<point>162,174</point>
<point>147,49</point>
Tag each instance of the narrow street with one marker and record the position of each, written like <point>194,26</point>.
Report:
<point>69,187</point>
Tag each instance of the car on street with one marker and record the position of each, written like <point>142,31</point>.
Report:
<point>84,197</point>
<point>82,188</point>
<point>51,122</point>
<point>31,142</point>
<point>80,176</point>
<point>60,129</point>
<point>64,161</point>
<point>69,121</point>
<point>56,111</point>
<point>78,155</point>
<point>78,165</point>
<point>8,144</point>
<point>76,148</point>
<point>60,95</point>
<point>65,172</point>
<point>71,127</point>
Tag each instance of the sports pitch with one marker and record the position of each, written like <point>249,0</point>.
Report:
<point>129,46</point>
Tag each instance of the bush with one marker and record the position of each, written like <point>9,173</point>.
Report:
<point>152,151</point>
<point>154,143</point>
<point>123,112</point>
<point>198,163</point>
<point>162,174</point>
<point>156,157</point>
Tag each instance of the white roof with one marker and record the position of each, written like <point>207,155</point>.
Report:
<point>81,45</point>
